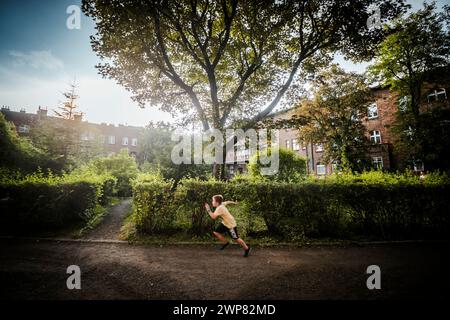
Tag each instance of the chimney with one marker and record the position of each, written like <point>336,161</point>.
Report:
<point>42,112</point>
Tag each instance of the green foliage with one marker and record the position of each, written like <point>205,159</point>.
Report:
<point>334,117</point>
<point>41,201</point>
<point>155,151</point>
<point>121,166</point>
<point>417,47</point>
<point>191,196</point>
<point>370,205</point>
<point>292,167</point>
<point>239,53</point>
<point>17,152</point>
<point>153,211</point>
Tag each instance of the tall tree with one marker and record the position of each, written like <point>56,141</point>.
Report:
<point>68,108</point>
<point>334,117</point>
<point>218,61</point>
<point>418,46</point>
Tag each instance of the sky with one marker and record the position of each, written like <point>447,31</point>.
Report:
<point>40,57</point>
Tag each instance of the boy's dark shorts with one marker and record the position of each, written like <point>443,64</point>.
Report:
<point>223,229</point>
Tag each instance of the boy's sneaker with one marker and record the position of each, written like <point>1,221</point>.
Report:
<point>224,246</point>
<point>246,252</point>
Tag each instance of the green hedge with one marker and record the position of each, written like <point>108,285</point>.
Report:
<point>379,207</point>
<point>36,202</point>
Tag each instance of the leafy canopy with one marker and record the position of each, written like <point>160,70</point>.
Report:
<point>221,61</point>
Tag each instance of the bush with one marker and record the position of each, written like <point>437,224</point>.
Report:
<point>370,205</point>
<point>46,202</point>
<point>292,167</point>
<point>121,166</point>
<point>18,152</point>
<point>153,211</point>
<point>190,197</point>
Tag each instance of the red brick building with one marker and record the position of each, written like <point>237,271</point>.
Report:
<point>379,121</point>
<point>112,138</point>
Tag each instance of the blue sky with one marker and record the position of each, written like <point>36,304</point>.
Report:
<point>40,57</point>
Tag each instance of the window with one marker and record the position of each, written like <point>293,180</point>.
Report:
<point>87,135</point>
<point>319,148</point>
<point>377,163</point>
<point>372,111</point>
<point>287,144</point>
<point>24,128</point>
<point>134,142</point>
<point>295,145</point>
<point>336,166</point>
<point>437,95</point>
<point>111,139</point>
<point>125,141</point>
<point>403,103</point>
<point>375,137</point>
<point>321,169</point>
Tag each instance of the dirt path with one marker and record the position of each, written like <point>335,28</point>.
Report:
<point>33,270</point>
<point>109,228</point>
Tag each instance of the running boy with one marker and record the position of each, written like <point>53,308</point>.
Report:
<point>228,224</point>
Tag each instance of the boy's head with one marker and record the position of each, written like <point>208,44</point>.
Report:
<point>217,200</point>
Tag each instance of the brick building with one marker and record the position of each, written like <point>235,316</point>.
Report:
<point>112,138</point>
<point>379,120</point>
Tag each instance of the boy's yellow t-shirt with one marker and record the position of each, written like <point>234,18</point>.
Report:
<point>227,219</point>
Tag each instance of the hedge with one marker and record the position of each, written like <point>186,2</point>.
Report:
<point>152,206</point>
<point>315,209</point>
<point>36,203</point>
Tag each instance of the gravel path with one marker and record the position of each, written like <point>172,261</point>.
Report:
<point>37,270</point>
<point>109,228</point>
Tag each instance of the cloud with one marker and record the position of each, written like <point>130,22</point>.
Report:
<point>36,59</point>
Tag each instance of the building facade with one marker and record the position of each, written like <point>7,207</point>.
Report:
<point>379,120</point>
<point>111,138</point>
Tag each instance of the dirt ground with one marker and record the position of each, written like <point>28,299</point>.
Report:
<point>30,270</point>
<point>37,270</point>
<point>109,228</point>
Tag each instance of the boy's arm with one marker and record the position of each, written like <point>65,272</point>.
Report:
<point>213,215</point>
<point>229,202</point>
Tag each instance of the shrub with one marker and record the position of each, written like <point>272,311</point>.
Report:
<point>19,152</point>
<point>153,211</point>
<point>191,195</point>
<point>371,205</point>
<point>45,202</point>
<point>292,167</point>
<point>121,166</point>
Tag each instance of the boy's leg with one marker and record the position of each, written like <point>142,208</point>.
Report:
<point>235,236</point>
<point>242,243</point>
<point>220,237</point>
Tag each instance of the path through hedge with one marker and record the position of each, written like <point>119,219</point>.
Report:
<point>109,228</point>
